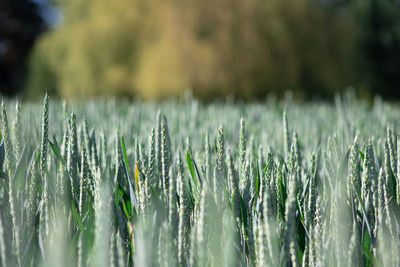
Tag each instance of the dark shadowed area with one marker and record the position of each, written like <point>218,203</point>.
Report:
<point>20,24</point>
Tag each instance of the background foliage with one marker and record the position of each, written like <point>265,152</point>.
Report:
<point>215,48</point>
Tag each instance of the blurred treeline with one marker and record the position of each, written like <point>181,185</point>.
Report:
<point>248,48</point>
<point>20,25</point>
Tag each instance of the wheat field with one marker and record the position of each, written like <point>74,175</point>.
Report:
<point>183,183</point>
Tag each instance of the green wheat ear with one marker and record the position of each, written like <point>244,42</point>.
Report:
<point>158,140</point>
<point>152,165</point>
<point>172,201</point>
<point>45,134</point>
<point>165,155</point>
<point>207,149</point>
<point>392,143</point>
<point>286,135</point>
<point>354,168</point>
<point>290,218</point>
<point>220,163</point>
<point>233,182</point>
<point>33,198</point>
<point>369,175</point>
<point>10,167</point>
<point>43,165</point>
<point>183,211</point>
<point>242,143</point>
<point>388,169</point>
<point>9,152</point>
<point>72,157</point>
<point>220,171</point>
<point>17,130</point>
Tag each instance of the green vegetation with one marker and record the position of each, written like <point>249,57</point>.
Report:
<point>155,49</point>
<point>110,183</point>
<point>215,48</point>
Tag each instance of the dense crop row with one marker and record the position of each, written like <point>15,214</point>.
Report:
<point>185,184</point>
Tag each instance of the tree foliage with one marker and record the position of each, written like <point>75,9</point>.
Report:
<point>378,24</point>
<point>160,48</point>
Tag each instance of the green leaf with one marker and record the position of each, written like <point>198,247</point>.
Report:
<point>191,169</point>
<point>243,210</point>
<point>366,249</point>
<point>124,207</point>
<point>17,178</point>
<point>76,216</point>
<point>189,191</point>
<point>197,171</point>
<point>362,156</point>
<point>358,195</point>
<point>57,152</point>
<point>117,195</point>
<point>128,175</point>
<point>125,155</point>
<point>300,210</point>
<point>132,196</point>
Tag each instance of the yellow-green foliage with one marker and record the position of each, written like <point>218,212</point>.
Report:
<point>159,48</point>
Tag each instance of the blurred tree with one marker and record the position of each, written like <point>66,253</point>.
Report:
<point>379,39</point>
<point>20,24</point>
<point>159,48</point>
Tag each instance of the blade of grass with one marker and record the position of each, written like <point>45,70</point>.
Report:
<point>57,152</point>
<point>76,216</point>
<point>191,169</point>
<point>125,155</point>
